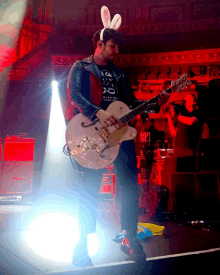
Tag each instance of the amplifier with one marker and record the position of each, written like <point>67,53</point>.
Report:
<point>16,178</point>
<point>208,154</point>
<point>18,149</point>
<point>108,185</point>
<point>197,194</point>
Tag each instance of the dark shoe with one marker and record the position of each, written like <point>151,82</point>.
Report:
<point>81,257</point>
<point>134,250</point>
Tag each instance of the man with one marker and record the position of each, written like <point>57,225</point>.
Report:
<point>186,132</point>
<point>187,129</point>
<point>93,84</point>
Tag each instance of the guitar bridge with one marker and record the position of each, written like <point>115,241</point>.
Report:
<point>82,147</point>
<point>105,131</point>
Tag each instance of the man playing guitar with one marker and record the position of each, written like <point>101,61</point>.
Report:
<point>93,84</point>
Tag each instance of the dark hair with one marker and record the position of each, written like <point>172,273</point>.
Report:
<point>194,98</point>
<point>108,34</point>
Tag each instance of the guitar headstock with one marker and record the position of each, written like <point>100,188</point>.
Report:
<point>180,83</point>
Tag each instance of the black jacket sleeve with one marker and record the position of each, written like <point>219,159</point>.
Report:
<point>79,88</point>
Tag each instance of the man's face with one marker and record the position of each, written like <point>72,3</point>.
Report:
<point>189,103</point>
<point>109,50</point>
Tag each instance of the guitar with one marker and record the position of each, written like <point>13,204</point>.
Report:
<point>95,145</point>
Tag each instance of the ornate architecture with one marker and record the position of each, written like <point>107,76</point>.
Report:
<point>141,17</point>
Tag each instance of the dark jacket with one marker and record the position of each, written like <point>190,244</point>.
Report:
<point>85,87</point>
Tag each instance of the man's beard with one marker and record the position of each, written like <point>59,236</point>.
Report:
<point>109,59</point>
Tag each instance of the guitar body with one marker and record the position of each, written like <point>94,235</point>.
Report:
<point>91,146</point>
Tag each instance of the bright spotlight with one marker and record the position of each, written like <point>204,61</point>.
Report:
<point>56,163</point>
<point>53,236</point>
<point>57,124</point>
<point>54,84</point>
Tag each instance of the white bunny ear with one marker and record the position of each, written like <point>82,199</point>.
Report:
<point>106,17</point>
<point>116,22</point>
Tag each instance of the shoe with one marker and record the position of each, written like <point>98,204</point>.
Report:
<point>134,250</point>
<point>119,236</point>
<point>81,257</point>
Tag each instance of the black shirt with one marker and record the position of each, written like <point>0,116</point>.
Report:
<point>110,92</point>
<point>188,136</point>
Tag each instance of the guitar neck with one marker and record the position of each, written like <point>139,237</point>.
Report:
<point>146,106</point>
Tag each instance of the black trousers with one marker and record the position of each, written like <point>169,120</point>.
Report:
<point>126,173</point>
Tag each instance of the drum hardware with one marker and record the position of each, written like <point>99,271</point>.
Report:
<point>161,154</point>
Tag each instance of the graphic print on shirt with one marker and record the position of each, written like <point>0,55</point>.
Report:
<point>109,87</point>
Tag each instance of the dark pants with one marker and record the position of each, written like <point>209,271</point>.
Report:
<point>126,174</point>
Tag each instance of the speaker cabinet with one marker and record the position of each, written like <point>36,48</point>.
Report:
<point>196,194</point>
<point>18,149</point>
<point>208,193</point>
<point>16,178</point>
<point>184,192</point>
<point>107,188</point>
<point>169,167</point>
<point>208,154</point>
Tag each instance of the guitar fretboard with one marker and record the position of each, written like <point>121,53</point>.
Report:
<point>148,105</point>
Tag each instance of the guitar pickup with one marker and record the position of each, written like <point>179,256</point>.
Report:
<point>105,131</point>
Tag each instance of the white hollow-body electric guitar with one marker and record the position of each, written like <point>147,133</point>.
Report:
<point>95,145</point>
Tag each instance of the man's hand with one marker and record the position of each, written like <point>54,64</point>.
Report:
<point>106,118</point>
<point>163,98</point>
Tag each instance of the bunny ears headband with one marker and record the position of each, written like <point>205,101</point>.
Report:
<point>106,20</point>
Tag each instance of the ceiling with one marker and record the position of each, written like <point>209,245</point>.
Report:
<point>148,26</point>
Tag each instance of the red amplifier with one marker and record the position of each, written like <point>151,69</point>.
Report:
<point>17,178</point>
<point>19,149</point>
<point>108,184</point>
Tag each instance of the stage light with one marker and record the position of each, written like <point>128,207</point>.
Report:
<point>54,235</point>
<point>57,125</point>
<point>55,162</point>
<point>54,84</point>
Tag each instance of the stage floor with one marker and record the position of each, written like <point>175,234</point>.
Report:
<point>28,248</point>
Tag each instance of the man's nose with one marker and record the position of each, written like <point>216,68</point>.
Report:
<point>116,49</point>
